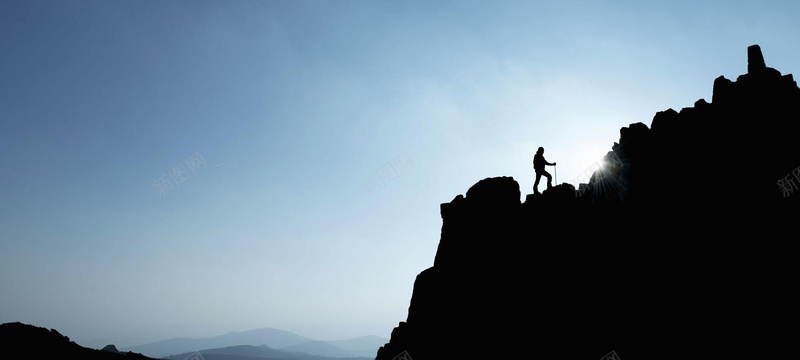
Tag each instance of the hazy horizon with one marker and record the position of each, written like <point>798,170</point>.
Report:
<point>130,342</point>
<point>191,168</point>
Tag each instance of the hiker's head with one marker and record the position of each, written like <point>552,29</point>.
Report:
<point>540,151</point>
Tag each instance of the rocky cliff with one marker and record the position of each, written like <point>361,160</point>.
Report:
<point>678,247</point>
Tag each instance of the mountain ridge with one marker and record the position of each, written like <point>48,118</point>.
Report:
<point>250,352</point>
<point>27,341</point>
<point>663,254</point>
<point>272,337</point>
<point>20,338</point>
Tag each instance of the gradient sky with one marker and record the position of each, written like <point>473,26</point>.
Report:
<point>295,109</point>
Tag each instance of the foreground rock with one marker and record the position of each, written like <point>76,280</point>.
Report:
<point>679,247</point>
<point>22,341</point>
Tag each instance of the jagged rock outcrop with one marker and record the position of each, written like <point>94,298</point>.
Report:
<point>678,247</point>
<point>111,348</point>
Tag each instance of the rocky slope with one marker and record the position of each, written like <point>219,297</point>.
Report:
<point>23,341</point>
<point>680,246</point>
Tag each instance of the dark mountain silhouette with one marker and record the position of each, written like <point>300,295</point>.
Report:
<point>678,247</point>
<point>111,348</point>
<point>23,341</point>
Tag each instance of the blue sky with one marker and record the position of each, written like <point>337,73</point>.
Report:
<point>296,108</point>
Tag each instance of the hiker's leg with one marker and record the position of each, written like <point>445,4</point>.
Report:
<point>536,183</point>
<point>549,179</point>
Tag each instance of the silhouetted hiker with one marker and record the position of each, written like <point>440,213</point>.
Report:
<point>538,165</point>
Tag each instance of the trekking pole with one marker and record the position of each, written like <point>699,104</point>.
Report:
<point>555,172</point>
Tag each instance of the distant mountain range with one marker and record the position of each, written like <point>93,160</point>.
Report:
<point>273,339</point>
<point>250,352</point>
